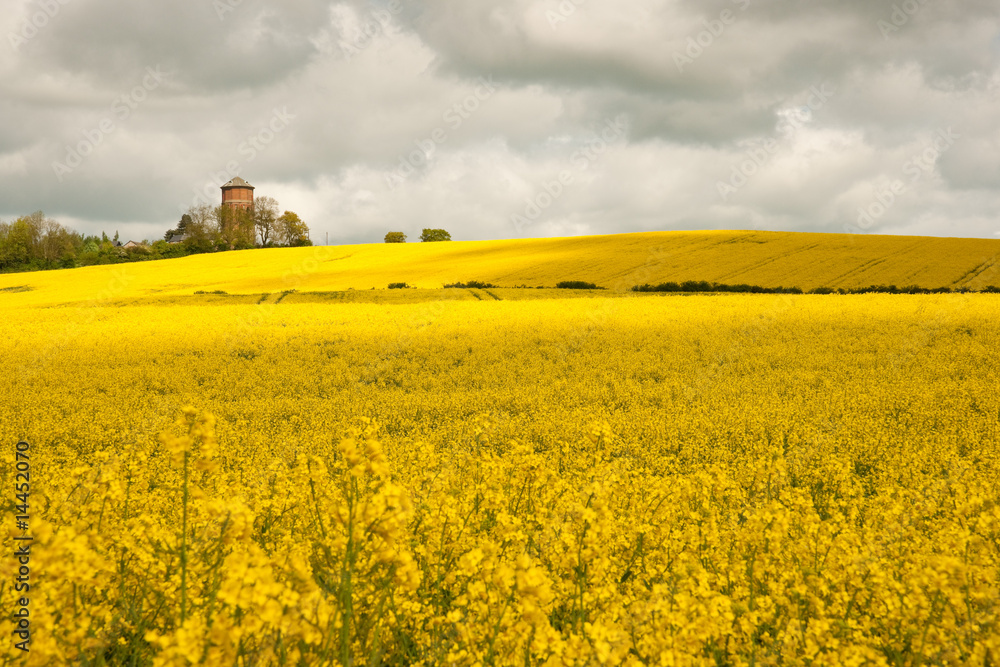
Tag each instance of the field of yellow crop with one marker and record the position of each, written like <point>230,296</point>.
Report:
<point>617,262</point>
<point>458,477</point>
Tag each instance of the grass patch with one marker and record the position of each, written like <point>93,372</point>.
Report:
<point>705,286</point>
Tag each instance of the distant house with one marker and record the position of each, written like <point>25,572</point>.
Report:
<point>132,244</point>
<point>177,238</point>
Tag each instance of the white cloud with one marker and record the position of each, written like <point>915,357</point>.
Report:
<point>369,83</point>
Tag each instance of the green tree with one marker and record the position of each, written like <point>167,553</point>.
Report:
<point>180,229</point>
<point>22,240</point>
<point>35,242</point>
<point>430,235</point>
<point>14,249</point>
<point>290,230</point>
<point>203,230</point>
<point>395,237</point>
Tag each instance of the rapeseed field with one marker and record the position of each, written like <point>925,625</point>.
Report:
<point>767,259</point>
<point>470,479</point>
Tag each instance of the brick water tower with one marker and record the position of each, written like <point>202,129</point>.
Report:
<point>237,193</point>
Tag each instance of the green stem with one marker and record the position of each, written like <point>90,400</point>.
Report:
<point>319,515</point>
<point>496,628</point>
<point>184,518</point>
<point>346,584</point>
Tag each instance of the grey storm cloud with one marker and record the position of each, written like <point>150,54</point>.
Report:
<point>211,46</point>
<point>369,116</point>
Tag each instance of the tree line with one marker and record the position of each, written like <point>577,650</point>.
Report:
<point>34,242</point>
<point>427,236</point>
<point>705,286</point>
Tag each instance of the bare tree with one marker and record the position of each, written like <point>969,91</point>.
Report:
<point>55,241</point>
<point>203,229</point>
<point>265,218</point>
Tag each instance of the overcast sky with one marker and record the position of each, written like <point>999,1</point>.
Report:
<point>508,118</point>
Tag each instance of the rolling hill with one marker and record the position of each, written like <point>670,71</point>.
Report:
<point>769,259</point>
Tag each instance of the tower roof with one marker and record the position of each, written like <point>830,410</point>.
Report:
<point>237,183</point>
